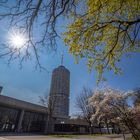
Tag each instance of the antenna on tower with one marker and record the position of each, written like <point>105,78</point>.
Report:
<point>62,59</point>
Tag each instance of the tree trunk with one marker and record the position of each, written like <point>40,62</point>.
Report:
<point>92,129</point>
<point>131,129</point>
<point>123,135</point>
<point>100,128</point>
<point>107,127</point>
<point>113,130</point>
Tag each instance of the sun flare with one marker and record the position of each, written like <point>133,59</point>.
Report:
<point>17,38</point>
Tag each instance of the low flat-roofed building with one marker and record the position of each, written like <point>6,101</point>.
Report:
<point>21,116</point>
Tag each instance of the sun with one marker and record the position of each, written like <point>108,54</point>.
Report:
<point>17,38</point>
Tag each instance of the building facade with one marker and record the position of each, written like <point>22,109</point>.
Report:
<point>24,117</point>
<point>60,91</point>
<point>21,116</point>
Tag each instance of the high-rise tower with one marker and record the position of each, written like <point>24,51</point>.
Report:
<point>60,90</point>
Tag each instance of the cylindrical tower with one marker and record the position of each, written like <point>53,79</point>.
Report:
<point>60,90</point>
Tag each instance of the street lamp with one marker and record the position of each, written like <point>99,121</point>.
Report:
<point>91,128</point>
<point>62,122</point>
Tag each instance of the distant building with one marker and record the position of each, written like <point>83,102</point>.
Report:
<point>60,91</point>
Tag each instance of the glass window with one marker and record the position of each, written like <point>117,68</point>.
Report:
<point>8,119</point>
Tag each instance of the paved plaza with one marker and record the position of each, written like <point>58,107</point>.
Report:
<point>82,137</point>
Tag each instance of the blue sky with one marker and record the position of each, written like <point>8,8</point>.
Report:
<point>28,84</point>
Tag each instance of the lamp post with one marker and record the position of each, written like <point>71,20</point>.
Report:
<point>91,128</point>
<point>62,122</point>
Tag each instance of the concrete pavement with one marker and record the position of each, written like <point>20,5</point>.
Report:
<point>82,137</point>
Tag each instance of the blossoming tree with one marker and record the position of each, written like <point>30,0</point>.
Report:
<point>113,106</point>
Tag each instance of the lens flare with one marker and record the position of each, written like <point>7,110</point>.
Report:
<point>17,38</point>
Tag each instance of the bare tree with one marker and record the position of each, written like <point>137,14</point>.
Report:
<point>28,15</point>
<point>49,103</point>
<point>82,105</point>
